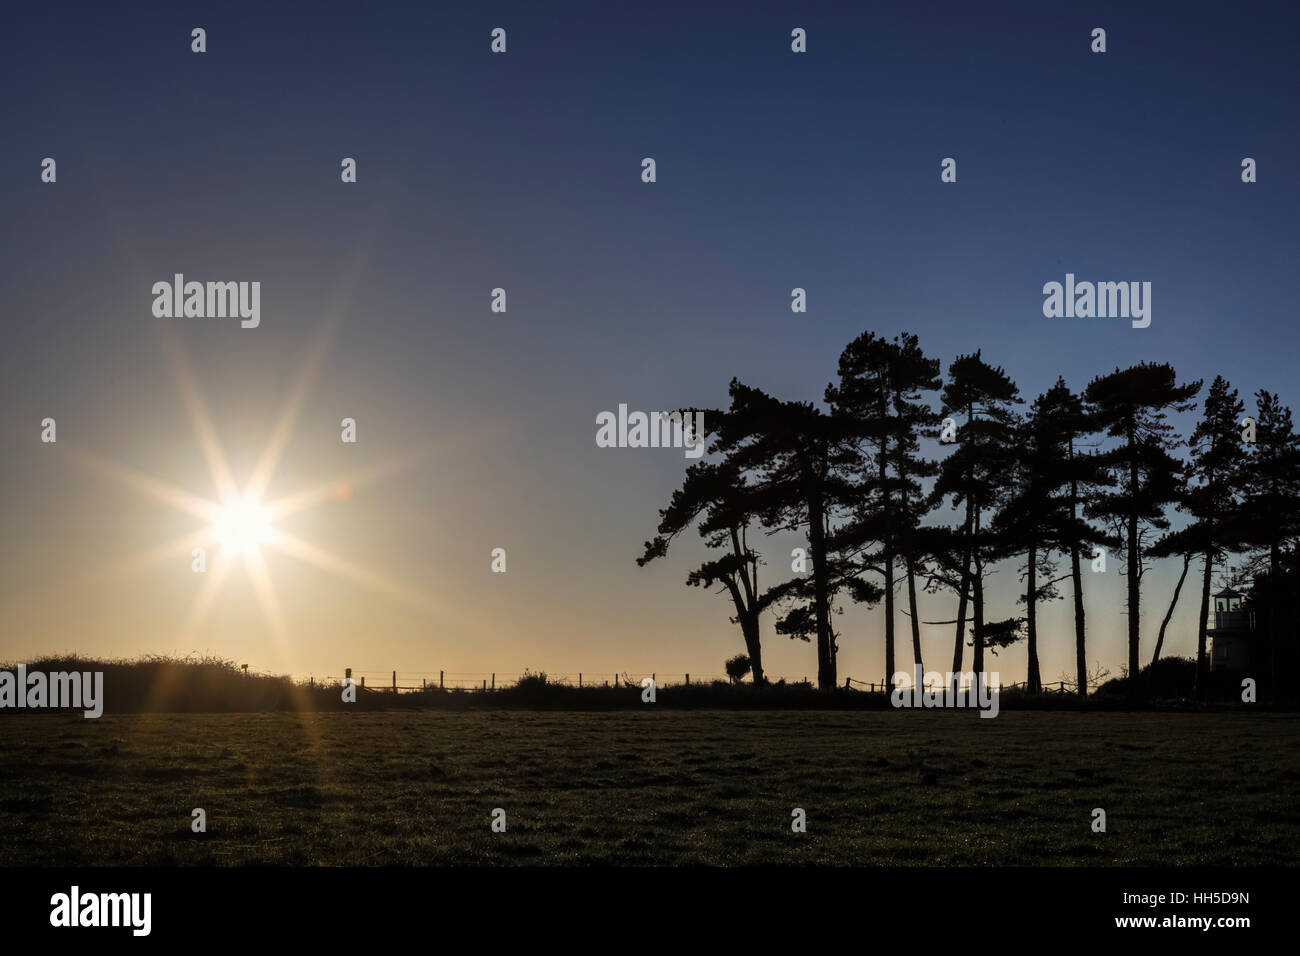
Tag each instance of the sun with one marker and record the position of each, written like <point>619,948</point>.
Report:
<point>242,524</point>
<point>241,521</point>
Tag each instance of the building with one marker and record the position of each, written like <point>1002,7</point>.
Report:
<point>1233,638</point>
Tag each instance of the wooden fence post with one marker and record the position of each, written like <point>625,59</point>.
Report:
<point>485,683</point>
<point>579,678</point>
<point>688,680</point>
<point>424,683</point>
<point>363,680</point>
<point>440,680</point>
<point>494,681</point>
<point>394,682</point>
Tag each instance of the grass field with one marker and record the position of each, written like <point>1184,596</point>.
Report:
<point>666,787</point>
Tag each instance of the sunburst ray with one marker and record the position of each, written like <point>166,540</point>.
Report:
<point>319,557</point>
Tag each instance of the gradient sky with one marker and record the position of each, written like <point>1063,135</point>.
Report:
<point>522,171</point>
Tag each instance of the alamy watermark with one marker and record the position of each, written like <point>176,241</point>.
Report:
<point>38,690</point>
<point>75,908</point>
<point>210,300</point>
<point>1099,300</point>
<point>651,430</point>
<point>947,690</point>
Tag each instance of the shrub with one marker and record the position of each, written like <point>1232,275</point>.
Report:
<point>737,668</point>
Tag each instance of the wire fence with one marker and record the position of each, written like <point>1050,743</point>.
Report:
<point>406,682</point>
<point>1052,687</point>
<point>419,681</point>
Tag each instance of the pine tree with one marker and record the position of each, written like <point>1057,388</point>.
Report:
<point>973,476</point>
<point>1131,406</point>
<point>719,498</point>
<point>1049,474</point>
<point>1214,501</point>
<point>1271,511</point>
<point>881,400</point>
<point>795,456</point>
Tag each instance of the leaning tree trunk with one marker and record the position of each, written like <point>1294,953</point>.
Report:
<point>1160,638</point>
<point>747,610</point>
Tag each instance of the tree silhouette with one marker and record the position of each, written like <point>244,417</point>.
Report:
<point>1131,405</point>
<point>1042,514</point>
<point>880,398</point>
<point>719,498</point>
<point>1214,501</point>
<point>795,455</point>
<point>1031,521</point>
<point>1186,544</point>
<point>973,477</point>
<point>1271,511</point>
<point>854,479</point>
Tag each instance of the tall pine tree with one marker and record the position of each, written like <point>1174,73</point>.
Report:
<point>1132,407</point>
<point>973,477</point>
<point>881,397</point>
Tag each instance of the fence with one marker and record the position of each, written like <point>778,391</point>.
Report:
<point>419,681</point>
<point>1050,687</point>
<point>1054,687</point>
<point>405,682</point>
<point>884,686</point>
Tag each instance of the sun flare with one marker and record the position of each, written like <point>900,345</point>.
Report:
<point>242,524</point>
